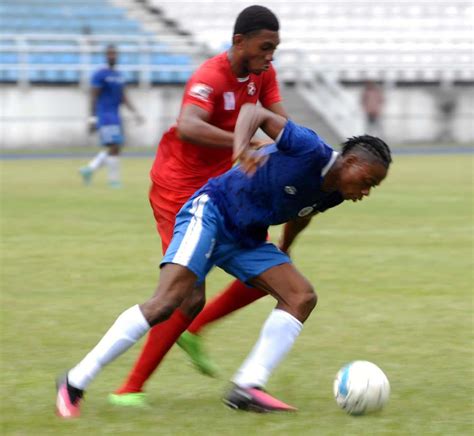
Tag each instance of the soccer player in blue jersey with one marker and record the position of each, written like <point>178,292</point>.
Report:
<point>107,95</point>
<point>225,223</point>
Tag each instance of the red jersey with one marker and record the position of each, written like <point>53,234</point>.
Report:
<point>184,167</point>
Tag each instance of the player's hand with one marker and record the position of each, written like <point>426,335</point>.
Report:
<point>283,248</point>
<point>91,124</point>
<point>251,161</point>
<point>257,144</point>
<point>139,119</point>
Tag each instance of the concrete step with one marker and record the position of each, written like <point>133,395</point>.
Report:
<point>302,113</point>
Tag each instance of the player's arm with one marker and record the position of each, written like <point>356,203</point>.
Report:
<point>250,118</point>
<point>291,230</point>
<point>277,108</point>
<point>127,102</point>
<point>94,95</point>
<point>194,126</point>
<point>270,96</point>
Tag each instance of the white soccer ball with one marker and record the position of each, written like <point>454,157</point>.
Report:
<point>361,387</point>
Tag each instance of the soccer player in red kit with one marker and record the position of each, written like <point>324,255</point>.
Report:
<point>197,148</point>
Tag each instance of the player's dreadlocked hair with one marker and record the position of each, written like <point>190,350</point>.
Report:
<point>375,146</point>
<point>256,18</point>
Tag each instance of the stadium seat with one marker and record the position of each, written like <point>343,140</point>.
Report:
<point>329,31</point>
<point>9,75</point>
<point>129,58</point>
<point>8,58</point>
<point>131,76</point>
<point>72,19</point>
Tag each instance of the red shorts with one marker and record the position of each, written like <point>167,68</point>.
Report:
<point>166,204</point>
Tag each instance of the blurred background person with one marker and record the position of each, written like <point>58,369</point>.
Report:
<point>447,103</point>
<point>372,104</point>
<point>107,94</point>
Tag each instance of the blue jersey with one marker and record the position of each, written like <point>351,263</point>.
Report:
<point>110,83</point>
<point>286,187</point>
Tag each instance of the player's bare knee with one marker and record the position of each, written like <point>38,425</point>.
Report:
<point>199,301</point>
<point>193,304</point>
<point>312,299</point>
<point>157,310</point>
<point>306,301</point>
<point>114,150</point>
<point>197,307</point>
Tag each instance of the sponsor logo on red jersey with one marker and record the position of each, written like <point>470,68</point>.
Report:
<point>251,88</point>
<point>229,101</point>
<point>201,91</point>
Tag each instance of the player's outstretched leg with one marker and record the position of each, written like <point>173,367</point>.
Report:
<point>296,299</point>
<point>86,173</point>
<point>160,339</point>
<point>127,329</point>
<point>176,284</point>
<point>113,166</point>
<point>193,346</point>
<point>88,170</point>
<point>236,296</point>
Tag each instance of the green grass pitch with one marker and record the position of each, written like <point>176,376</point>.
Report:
<point>393,275</point>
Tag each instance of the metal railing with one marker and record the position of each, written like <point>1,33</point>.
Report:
<point>88,47</point>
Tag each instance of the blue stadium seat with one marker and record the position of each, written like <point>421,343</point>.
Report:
<point>52,76</point>
<point>68,58</point>
<point>165,77</point>
<point>183,76</point>
<point>158,77</point>
<point>71,76</point>
<point>181,59</point>
<point>97,58</point>
<point>9,75</point>
<point>158,59</point>
<point>170,59</point>
<point>73,17</point>
<point>35,76</point>
<point>8,58</point>
<point>131,76</point>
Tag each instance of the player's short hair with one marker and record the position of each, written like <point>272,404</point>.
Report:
<point>370,144</point>
<point>254,18</point>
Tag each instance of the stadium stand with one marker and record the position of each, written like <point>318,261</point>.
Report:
<point>402,40</point>
<point>53,41</point>
<point>420,51</point>
<point>326,42</point>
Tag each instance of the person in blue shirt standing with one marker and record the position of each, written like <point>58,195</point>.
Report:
<point>107,95</point>
<point>225,223</point>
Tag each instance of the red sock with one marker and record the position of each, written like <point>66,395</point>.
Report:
<point>237,295</point>
<point>160,339</point>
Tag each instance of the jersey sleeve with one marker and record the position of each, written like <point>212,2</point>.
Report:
<point>97,79</point>
<point>296,139</point>
<point>270,93</point>
<point>202,89</point>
